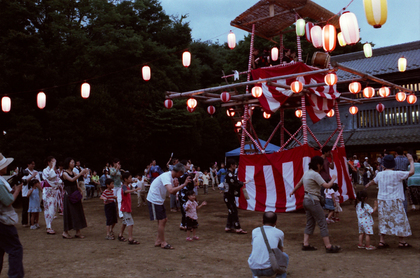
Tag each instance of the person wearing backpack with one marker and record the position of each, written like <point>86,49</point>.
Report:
<point>259,260</point>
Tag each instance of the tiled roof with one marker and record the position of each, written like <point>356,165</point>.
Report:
<point>383,61</point>
<point>377,136</point>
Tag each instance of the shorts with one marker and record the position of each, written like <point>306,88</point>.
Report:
<point>111,214</point>
<point>329,204</point>
<point>192,224</point>
<point>156,212</point>
<point>127,219</point>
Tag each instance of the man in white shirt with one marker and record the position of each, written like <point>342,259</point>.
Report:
<point>158,190</point>
<point>259,261</point>
<point>29,174</point>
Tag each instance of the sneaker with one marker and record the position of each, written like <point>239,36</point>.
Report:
<point>195,238</point>
<point>329,221</point>
<point>37,225</point>
<point>34,227</point>
<point>370,247</point>
<point>361,246</point>
<point>188,239</point>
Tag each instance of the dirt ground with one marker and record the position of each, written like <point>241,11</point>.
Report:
<point>216,254</point>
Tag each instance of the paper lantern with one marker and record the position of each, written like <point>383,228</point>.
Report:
<point>225,97</point>
<point>230,112</point>
<point>376,12</point>
<point>402,64</point>
<point>349,27</point>
<point>298,113</point>
<point>266,115</point>
<point>256,91</point>
<point>411,99</point>
<point>400,96</point>
<point>238,126</point>
<point>380,107</point>
<point>189,109</point>
<point>186,59</point>
<point>168,103</point>
<point>316,36</point>
<point>367,49</point>
<point>191,102</point>
<point>231,40</point>
<point>329,37</point>
<point>300,27</point>
<point>330,113</point>
<point>296,87</point>
<point>85,90</point>
<point>384,91</point>
<point>368,92</point>
<point>341,40</point>
<point>41,100</point>
<point>6,104</point>
<point>145,71</point>
<point>353,110</point>
<point>308,28</point>
<point>211,109</point>
<point>274,53</point>
<point>330,79</point>
<point>355,87</point>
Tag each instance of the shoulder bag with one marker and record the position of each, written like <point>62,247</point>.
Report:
<point>278,259</point>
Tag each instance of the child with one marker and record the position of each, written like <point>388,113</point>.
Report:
<point>191,208</point>
<point>110,208</point>
<point>126,208</point>
<point>338,208</point>
<point>34,202</point>
<point>330,203</point>
<point>206,178</point>
<point>365,220</point>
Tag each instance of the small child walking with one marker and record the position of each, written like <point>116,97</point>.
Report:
<point>364,216</point>
<point>34,202</point>
<point>191,207</point>
<point>331,202</point>
<point>110,208</point>
<point>206,179</point>
<point>126,208</point>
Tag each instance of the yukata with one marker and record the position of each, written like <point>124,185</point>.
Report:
<point>50,194</point>
<point>229,195</point>
<point>364,218</point>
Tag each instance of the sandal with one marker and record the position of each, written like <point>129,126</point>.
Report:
<point>134,242</point>
<point>110,237</point>
<point>370,248</point>
<point>241,232</point>
<point>333,249</point>
<point>79,236</point>
<point>50,232</point>
<point>195,238</point>
<point>188,239</point>
<point>383,245</point>
<point>308,248</point>
<point>404,245</point>
<point>227,230</point>
<point>67,236</point>
<point>121,238</point>
<point>167,246</point>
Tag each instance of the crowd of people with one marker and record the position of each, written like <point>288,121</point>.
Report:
<point>65,186</point>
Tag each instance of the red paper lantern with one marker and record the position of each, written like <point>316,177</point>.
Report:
<point>384,91</point>
<point>330,79</point>
<point>231,40</point>
<point>355,87</point>
<point>192,103</point>
<point>296,87</point>
<point>329,35</point>
<point>330,113</point>
<point>298,113</point>
<point>85,90</point>
<point>211,109</point>
<point>400,96</point>
<point>6,104</point>
<point>186,59</point>
<point>256,91</point>
<point>230,112</point>
<point>411,99</point>
<point>146,73</point>
<point>308,28</point>
<point>225,97</point>
<point>316,36</point>
<point>266,115</point>
<point>168,103</point>
<point>41,100</point>
<point>368,92</point>
<point>380,107</point>
<point>349,27</point>
<point>190,109</point>
<point>353,110</point>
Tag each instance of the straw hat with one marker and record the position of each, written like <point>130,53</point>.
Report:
<point>4,162</point>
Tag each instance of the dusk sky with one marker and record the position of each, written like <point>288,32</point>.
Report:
<point>210,20</point>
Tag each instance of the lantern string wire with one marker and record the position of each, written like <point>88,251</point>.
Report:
<point>337,14</point>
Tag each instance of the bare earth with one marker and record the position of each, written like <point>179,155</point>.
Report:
<point>216,254</point>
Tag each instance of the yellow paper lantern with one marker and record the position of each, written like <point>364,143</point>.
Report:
<point>402,64</point>
<point>400,96</point>
<point>300,27</point>
<point>341,40</point>
<point>367,49</point>
<point>376,12</point>
<point>41,100</point>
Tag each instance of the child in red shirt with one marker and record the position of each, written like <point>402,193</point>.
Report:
<point>126,208</point>
<point>110,208</point>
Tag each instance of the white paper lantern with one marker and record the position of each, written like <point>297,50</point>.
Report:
<point>85,90</point>
<point>41,100</point>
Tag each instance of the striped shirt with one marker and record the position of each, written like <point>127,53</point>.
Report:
<point>109,196</point>
<point>401,163</point>
<point>390,184</point>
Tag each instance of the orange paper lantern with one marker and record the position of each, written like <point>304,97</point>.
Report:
<point>355,87</point>
<point>256,91</point>
<point>384,91</point>
<point>329,37</point>
<point>353,110</point>
<point>368,92</point>
<point>411,99</point>
<point>298,113</point>
<point>230,112</point>
<point>330,79</point>
<point>330,113</point>
<point>296,87</point>
<point>266,115</point>
<point>400,96</point>
<point>192,103</point>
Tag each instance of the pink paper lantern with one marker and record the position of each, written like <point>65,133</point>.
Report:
<point>349,28</point>
<point>225,97</point>
<point>316,36</point>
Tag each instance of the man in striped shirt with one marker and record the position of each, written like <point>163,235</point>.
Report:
<point>401,164</point>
